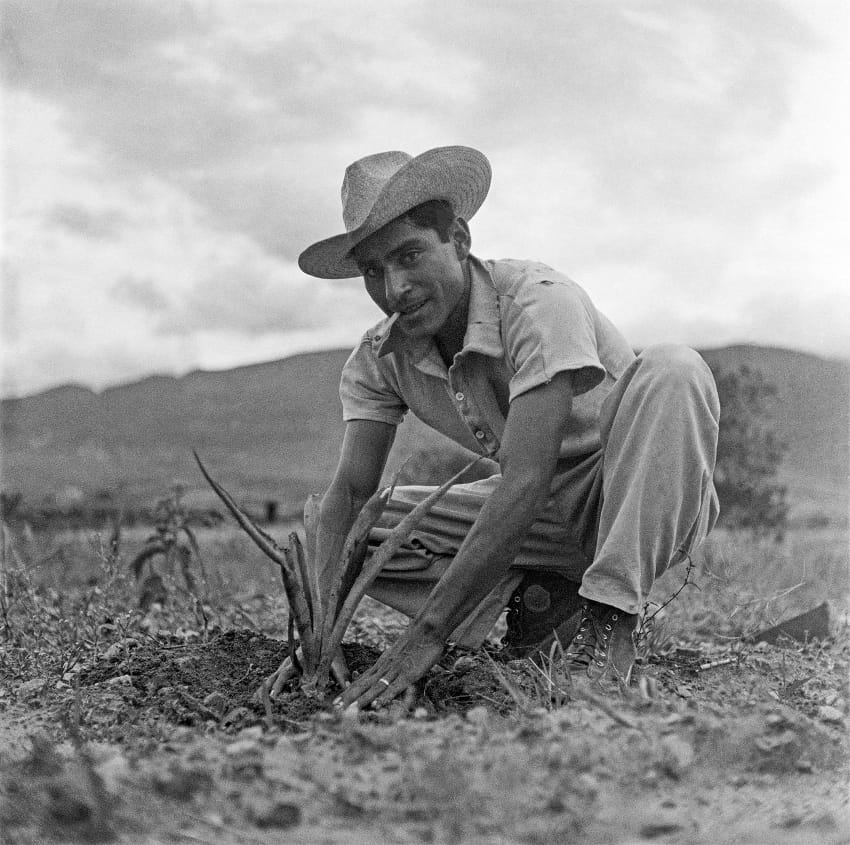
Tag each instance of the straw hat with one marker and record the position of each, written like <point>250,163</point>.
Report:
<point>381,187</point>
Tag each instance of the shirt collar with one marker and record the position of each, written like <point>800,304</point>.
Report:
<point>483,326</point>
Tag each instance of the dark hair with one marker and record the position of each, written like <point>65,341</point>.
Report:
<point>434,214</point>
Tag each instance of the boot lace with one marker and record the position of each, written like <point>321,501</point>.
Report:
<point>591,641</point>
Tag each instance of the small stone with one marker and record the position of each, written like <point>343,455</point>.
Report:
<point>181,783</point>
<point>255,732</point>
<point>477,715</point>
<point>113,652</point>
<point>464,663</point>
<point>244,759</point>
<point>659,827</point>
<point>120,681</point>
<point>775,720</point>
<point>216,702</point>
<point>739,780</point>
<point>113,772</point>
<point>676,756</point>
<point>420,713</point>
<point>236,715</point>
<point>30,688</point>
<point>265,812</point>
<point>831,715</point>
<point>242,747</point>
<point>587,786</point>
<point>805,766</point>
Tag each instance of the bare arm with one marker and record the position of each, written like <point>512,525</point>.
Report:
<point>534,430</point>
<point>365,448</point>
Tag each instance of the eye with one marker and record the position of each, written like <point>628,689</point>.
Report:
<point>371,273</point>
<point>409,257</point>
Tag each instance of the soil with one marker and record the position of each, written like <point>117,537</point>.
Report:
<point>163,740</point>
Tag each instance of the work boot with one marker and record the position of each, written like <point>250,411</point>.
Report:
<point>603,647</point>
<point>543,603</point>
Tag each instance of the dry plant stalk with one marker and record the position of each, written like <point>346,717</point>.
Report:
<point>322,620</point>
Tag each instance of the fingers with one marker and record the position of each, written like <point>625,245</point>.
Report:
<point>339,669</point>
<point>378,687</point>
<point>382,692</point>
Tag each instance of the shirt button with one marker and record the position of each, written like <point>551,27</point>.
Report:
<point>459,396</point>
<point>480,435</point>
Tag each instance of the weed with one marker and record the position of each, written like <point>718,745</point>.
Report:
<point>51,629</point>
<point>174,541</point>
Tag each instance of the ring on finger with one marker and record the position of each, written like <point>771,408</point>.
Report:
<point>383,681</point>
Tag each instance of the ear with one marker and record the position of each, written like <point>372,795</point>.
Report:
<point>461,238</point>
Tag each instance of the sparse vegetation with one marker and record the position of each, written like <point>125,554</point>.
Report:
<point>173,742</point>
<point>322,620</point>
<point>121,722</point>
<point>173,541</point>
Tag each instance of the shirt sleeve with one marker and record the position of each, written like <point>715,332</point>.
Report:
<point>366,390</point>
<point>551,328</point>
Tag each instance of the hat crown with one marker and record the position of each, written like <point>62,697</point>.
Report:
<point>363,182</point>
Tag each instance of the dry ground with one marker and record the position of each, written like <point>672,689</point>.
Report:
<point>143,728</point>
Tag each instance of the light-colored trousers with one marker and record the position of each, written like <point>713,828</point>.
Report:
<point>616,518</point>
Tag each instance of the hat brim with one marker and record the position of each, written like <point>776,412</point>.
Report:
<point>460,175</point>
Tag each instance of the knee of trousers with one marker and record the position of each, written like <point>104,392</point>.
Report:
<point>676,366</point>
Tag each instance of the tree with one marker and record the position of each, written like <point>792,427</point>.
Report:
<point>749,454</point>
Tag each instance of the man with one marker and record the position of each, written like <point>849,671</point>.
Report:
<point>606,458</point>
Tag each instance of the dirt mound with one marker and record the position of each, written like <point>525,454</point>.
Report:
<point>152,682</point>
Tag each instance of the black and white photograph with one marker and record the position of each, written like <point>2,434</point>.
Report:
<point>425,421</point>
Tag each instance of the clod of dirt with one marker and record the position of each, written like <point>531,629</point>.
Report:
<point>181,782</point>
<point>677,755</point>
<point>660,827</point>
<point>831,715</point>
<point>267,812</point>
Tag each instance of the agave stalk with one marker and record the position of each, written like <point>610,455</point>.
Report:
<point>321,621</point>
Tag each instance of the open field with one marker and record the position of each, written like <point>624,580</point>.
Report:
<point>119,725</point>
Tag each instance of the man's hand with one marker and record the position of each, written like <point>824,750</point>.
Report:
<point>396,670</point>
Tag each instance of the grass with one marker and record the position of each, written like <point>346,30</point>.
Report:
<point>541,770</point>
<point>66,596</point>
<point>740,585</point>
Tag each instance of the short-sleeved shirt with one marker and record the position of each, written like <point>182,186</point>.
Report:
<point>526,323</point>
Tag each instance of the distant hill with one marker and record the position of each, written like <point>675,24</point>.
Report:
<point>273,430</point>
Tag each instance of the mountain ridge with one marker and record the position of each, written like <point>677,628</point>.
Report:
<point>273,429</point>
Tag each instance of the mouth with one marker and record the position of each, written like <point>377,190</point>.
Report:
<point>408,310</point>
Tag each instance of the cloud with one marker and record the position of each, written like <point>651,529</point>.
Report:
<point>245,121</point>
<point>168,162</point>
<point>97,225</point>
<point>141,292</point>
<point>251,294</point>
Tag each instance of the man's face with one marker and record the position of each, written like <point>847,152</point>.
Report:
<point>408,270</point>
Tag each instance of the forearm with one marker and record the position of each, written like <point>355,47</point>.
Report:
<point>486,554</point>
<point>339,508</point>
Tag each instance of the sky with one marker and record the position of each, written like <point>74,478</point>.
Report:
<point>166,161</point>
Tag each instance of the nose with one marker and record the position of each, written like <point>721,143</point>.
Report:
<point>397,286</point>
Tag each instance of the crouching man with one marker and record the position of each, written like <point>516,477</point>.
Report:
<point>606,458</point>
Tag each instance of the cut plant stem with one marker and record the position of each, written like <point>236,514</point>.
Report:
<point>321,621</point>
